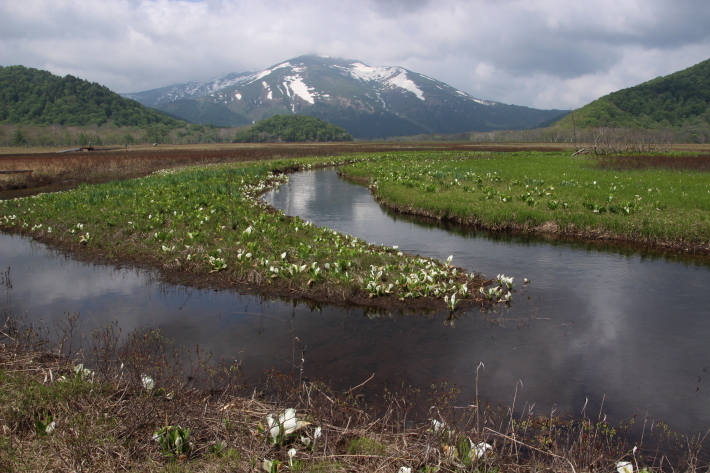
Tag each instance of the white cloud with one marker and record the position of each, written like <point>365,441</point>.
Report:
<point>541,53</point>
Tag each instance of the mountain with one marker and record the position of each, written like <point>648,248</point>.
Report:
<point>680,101</point>
<point>292,128</point>
<point>368,102</point>
<point>36,97</point>
<point>197,111</point>
<point>190,90</point>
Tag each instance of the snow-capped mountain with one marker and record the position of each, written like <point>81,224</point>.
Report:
<point>369,102</point>
<point>189,90</point>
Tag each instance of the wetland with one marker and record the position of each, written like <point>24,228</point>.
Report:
<point>600,327</point>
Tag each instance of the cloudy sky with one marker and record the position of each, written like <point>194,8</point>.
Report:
<point>538,53</point>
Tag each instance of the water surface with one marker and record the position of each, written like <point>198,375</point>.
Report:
<point>606,325</point>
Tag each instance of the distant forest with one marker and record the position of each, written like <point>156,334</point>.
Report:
<point>33,97</point>
<point>292,128</point>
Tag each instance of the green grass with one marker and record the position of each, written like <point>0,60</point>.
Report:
<point>549,192</point>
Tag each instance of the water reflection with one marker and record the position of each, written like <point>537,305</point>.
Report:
<point>603,325</point>
<point>596,322</point>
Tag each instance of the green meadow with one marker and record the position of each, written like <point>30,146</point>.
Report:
<point>546,192</point>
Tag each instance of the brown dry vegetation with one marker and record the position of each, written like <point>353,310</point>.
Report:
<point>699,162</point>
<point>105,418</point>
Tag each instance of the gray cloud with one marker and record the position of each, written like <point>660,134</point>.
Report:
<point>543,53</point>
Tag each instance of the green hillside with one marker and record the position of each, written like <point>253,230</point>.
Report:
<point>292,128</point>
<point>33,97</point>
<point>679,100</point>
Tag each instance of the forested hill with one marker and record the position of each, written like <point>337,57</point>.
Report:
<point>679,100</point>
<point>292,128</point>
<point>35,97</point>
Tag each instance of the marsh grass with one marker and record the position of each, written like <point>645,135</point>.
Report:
<point>551,193</point>
<point>89,410</point>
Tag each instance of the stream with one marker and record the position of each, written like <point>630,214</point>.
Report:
<point>616,330</point>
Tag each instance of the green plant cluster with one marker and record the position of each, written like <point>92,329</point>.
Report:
<point>32,96</point>
<point>292,128</point>
<point>551,192</point>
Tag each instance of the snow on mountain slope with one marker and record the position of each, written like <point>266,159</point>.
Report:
<point>392,76</point>
<point>315,79</point>
<point>189,90</point>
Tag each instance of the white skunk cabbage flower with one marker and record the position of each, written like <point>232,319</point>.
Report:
<point>437,426</point>
<point>148,382</point>
<point>286,421</point>
<point>479,450</point>
<point>624,467</point>
<point>270,465</point>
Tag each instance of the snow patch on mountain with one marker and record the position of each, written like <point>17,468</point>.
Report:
<point>299,88</point>
<point>401,80</point>
<point>392,76</point>
<point>266,72</point>
<point>267,87</point>
<point>367,73</point>
<point>470,97</point>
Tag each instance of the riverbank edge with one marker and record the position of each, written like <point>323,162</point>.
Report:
<point>68,413</point>
<point>546,229</point>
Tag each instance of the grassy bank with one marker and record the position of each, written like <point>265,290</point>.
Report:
<point>110,402</point>
<point>663,202</point>
<point>205,226</point>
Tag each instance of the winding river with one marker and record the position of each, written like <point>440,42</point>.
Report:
<point>615,330</point>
